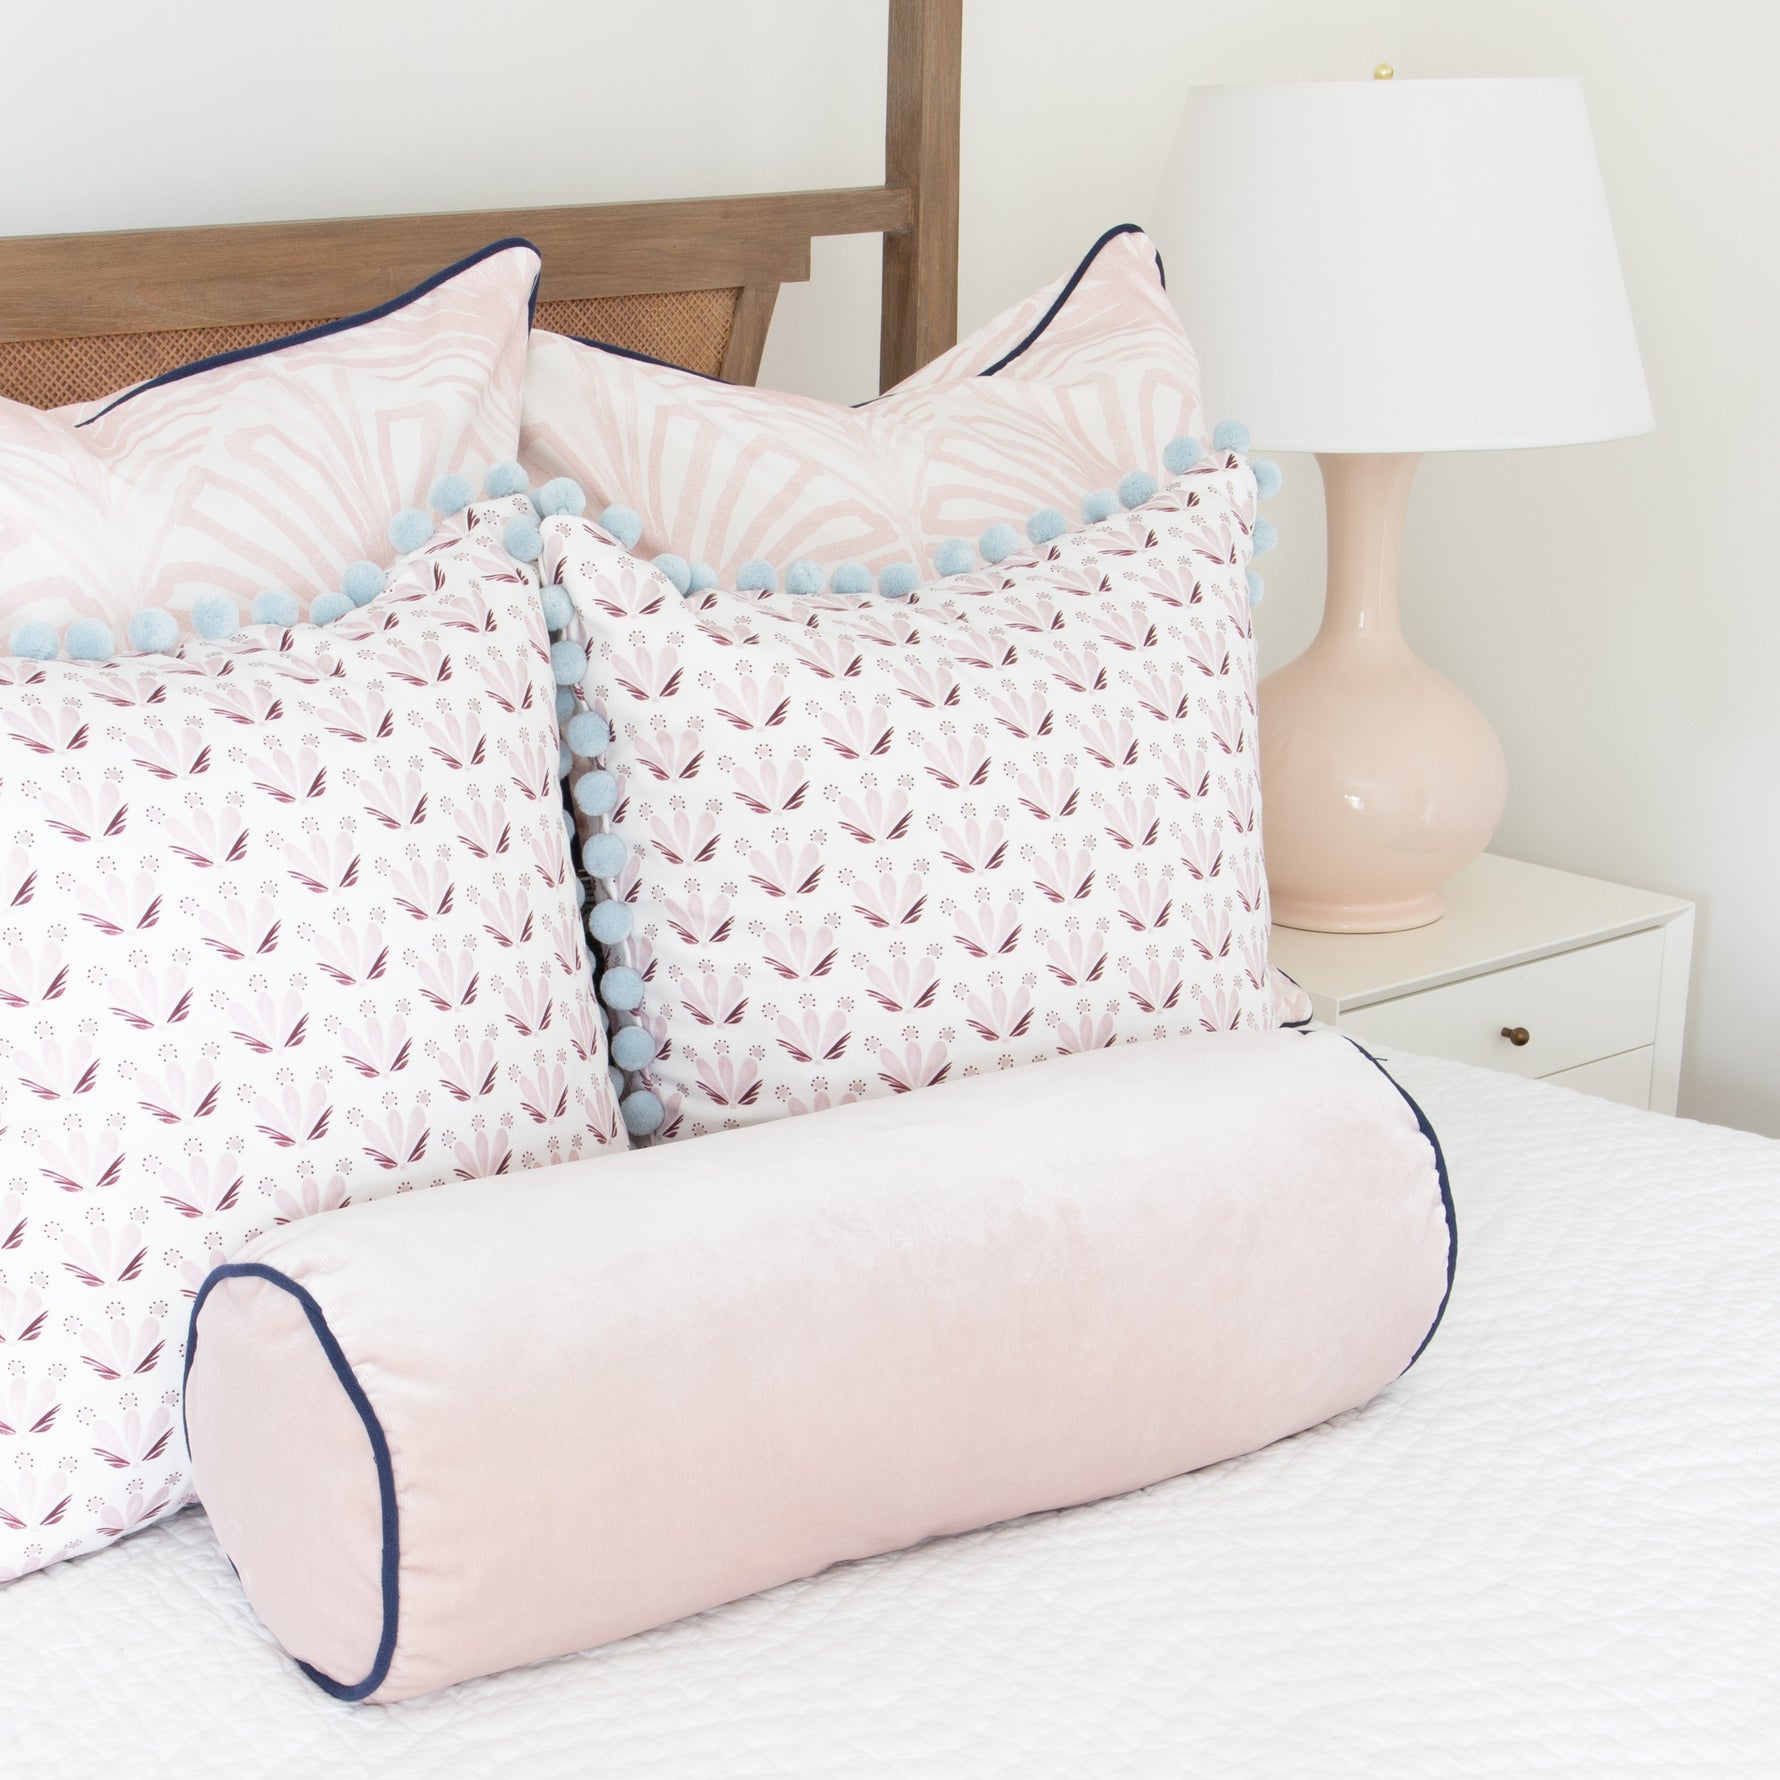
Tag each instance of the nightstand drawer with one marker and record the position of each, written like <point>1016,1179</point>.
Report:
<point>1576,1007</point>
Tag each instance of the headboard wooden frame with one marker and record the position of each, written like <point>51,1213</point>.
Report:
<point>691,280</point>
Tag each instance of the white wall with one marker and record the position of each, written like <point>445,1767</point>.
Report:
<point>1612,608</point>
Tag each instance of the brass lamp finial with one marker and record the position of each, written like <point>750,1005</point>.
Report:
<point>1384,71</point>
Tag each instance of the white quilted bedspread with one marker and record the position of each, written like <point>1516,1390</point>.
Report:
<point>1552,1548</point>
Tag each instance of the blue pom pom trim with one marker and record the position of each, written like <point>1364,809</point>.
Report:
<point>588,734</point>
<point>703,576</point>
<point>1101,503</point>
<point>1044,525</point>
<point>410,529</point>
<point>1230,435</point>
<point>562,494</point>
<point>621,989</point>
<point>757,575</point>
<point>559,609</point>
<point>633,1047</point>
<point>452,493</point>
<point>642,1113</point>
<point>214,616</point>
<point>804,577</point>
<point>521,539</point>
<point>1180,455</point>
<point>624,523</point>
<point>604,855</point>
<point>272,605</point>
<point>90,639</point>
<point>677,569</point>
<point>1257,588</point>
<point>362,582</point>
<point>568,662</point>
<point>610,921</point>
<point>1268,477</point>
<point>954,557</point>
<point>897,580</point>
<point>35,641</point>
<point>1136,487</point>
<point>596,792</point>
<point>326,607</point>
<point>504,479</point>
<point>1266,536</point>
<point>998,543</point>
<point>152,631</point>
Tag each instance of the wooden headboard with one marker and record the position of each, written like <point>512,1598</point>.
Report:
<point>692,281</point>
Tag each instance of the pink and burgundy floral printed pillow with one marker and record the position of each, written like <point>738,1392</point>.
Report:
<point>286,922</point>
<point>859,846</point>
<point>1063,395</point>
<point>275,468</point>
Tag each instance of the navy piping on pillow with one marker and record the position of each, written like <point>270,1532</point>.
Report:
<point>1068,291</point>
<point>1007,358</point>
<point>323,329</point>
<point>386,1477</point>
<point>1452,1223</point>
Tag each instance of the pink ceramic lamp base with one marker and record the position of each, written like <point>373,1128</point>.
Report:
<point>1379,778</point>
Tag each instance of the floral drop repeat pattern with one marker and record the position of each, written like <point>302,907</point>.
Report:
<point>874,845</point>
<point>721,474</point>
<point>285,922</point>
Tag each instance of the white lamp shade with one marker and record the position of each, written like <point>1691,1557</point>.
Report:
<point>1400,265</point>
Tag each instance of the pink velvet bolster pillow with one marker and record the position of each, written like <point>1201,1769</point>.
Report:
<point>446,1433</point>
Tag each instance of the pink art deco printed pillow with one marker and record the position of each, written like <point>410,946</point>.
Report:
<point>858,846</point>
<point>275,468</point>
<point>1060,398</point>
<point>286,922</point>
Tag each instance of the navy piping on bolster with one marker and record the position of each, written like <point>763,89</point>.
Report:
<point>322,330</point>
<point>1295,1025</point>
<point>1068,290</point>
<point>643,358</point>
<point>386,1477</point>
<point>1452,1223</point>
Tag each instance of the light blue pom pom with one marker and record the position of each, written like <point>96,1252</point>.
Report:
<point>565,704</point>
<point>1180,455</point>
<point>998,543</point>
<point>1230,435</point>
<point>621,988</point>
<point>1268,478</point>
<point>757,575</point>
<point>1044,525</point>
<point>588,734</point>
<point>703,576</point>
<point>615,1076</point>
<point>504,479</point>
<point>595,793</point>
<point>153,632</point>
<point>624,523</point>
<point>410,529</point>
<point>559,609</point>
<point>633,1047</point>
<point>1103,503</point>
<point>90,639</point>
<point>897,580</point>
<point>214,616</point>
<point>272,605</point>
<point>520,538</point>
<point>1136,487</point>
<point>677,569</point>
<point>642,1113</point>
<point>1266,536</point>
<point>452,493</point>
<point>804,577</point>
<point>562,494</point>
<point>954,557</point>
<point>568,662</point>
<point>603,855</point>
<point>565,762</point>
<point>610,921</point>
<point>580,893</point>
<point>326,607</point>
<point>362,582</point>
<point>1257,588</point>
<point>36,641</point>
<point>849,578</point>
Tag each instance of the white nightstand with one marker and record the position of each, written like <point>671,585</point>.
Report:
<point>1534,971</point>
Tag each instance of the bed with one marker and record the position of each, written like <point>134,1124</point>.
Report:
<point>1549,1548</point>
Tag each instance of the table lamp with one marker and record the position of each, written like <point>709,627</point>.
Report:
<point>1370,270</point>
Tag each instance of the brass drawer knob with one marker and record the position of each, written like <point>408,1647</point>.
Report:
<point>1516,1035</point>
